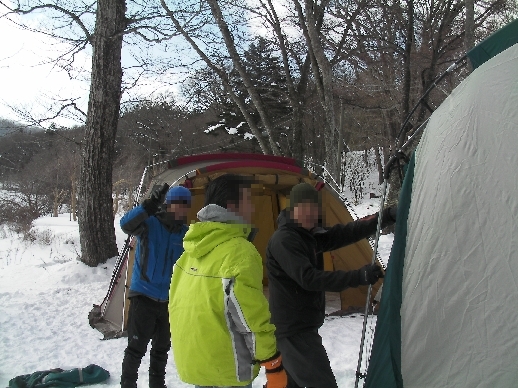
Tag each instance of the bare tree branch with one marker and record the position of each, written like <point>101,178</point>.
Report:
<point>70,14</point>
<point>222,75</point>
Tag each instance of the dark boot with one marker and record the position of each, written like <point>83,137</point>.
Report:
<point>128,384</point>
<point>157,364</point>
<point>156,381</point>
<point>160,345</point>
<point>130,365</point>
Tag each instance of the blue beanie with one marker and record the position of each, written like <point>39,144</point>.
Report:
<point>178,194</point>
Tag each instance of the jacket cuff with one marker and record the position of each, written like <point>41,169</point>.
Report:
<point>277,354</point>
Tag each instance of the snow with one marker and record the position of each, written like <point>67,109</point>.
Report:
<point>214,127</point>
<point>46,295</point>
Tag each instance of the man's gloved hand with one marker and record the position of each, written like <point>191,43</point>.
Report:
<point>393,212</point>
<point>389,215</point>
<point>370,274</point>
<point>152,204</point>
<point>275,374</point>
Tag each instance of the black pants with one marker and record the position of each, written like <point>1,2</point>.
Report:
<point>147,320</point>
<point>305,360</point>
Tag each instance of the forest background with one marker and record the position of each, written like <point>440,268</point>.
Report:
<point>326,82</point>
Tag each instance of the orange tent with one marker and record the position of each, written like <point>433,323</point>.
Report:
<point>274,177</point>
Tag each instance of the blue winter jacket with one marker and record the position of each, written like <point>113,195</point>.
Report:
<point>158,247</point>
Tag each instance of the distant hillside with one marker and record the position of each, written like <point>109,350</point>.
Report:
<point>9,126</point>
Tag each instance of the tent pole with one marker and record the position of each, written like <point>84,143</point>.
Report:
<point>369,290</point>
<point>398,155</point>
<point>422,100</point>
<point>125,252</point>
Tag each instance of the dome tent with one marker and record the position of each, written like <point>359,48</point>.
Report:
<point>274,177</point>
<point>449,309</point>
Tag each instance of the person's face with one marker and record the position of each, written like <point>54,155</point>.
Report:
<point>179,210</point>
<point>245,207</point>
<point>306,214</point>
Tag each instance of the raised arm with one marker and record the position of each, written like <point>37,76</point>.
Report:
<point>294,260</point>
<point>341,235</point>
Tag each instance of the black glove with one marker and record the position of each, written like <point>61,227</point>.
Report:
<point>370,274</point>
<point>389,215</point>
<point>152,204</point>
<point>393,212</point>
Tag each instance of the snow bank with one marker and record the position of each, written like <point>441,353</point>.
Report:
<point>46,295</point>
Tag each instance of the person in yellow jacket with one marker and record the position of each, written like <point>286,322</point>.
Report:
<point>219,317</point>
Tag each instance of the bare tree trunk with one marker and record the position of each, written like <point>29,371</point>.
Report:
<point>469,40</point>
<point>117,196</point>
<point>299,148</point>
<point>73,197</point>
<point>405,106</point>
<point>450,12</point>
<point>295,94</point>
<point>251,89</point>
<point>379,164</point>
<point>344,170</point>
<point>394,179</point>
<point>325,74</point>
<point>96,230</point>
<point>223,77</point>
<point>340,135</point>
<point>341,171</point>
<point>116,200</point>
<point>59,195</point>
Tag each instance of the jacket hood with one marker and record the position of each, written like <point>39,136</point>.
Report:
<point>282,218</point>
<point>217,213</point>
<point>218,225</point>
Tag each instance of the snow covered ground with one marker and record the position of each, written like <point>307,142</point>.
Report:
<point>46,295</point>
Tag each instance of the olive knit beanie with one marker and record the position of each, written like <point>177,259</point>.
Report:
<point>303,192</point>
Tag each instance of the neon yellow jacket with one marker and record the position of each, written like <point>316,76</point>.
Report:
<point>219,316</point>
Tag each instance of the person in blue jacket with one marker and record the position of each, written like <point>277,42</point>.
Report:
<point>159,225</point>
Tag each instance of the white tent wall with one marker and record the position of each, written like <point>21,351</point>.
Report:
<point>459,315</point>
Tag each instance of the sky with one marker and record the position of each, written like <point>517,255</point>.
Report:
<point>32,82</point>
<point>46,295</point>
<point>29,79</point>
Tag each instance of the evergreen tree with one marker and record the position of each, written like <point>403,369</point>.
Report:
<point>266,73</point>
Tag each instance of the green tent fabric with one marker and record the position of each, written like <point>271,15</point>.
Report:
<point>92,374</point>
<point>456,284</point>
<point>494,44</point>
<point>385,364</point>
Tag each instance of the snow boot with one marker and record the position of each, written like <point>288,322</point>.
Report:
<point>128,383</point>
<point>157,381</point>
<point>157,364</point>
<point>130,366</point>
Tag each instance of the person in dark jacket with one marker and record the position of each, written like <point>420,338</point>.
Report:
<point>297,282</point>
<point>159,245</point>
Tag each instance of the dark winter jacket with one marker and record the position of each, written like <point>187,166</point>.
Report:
<point>296,279</point>
<point>159,245</point>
